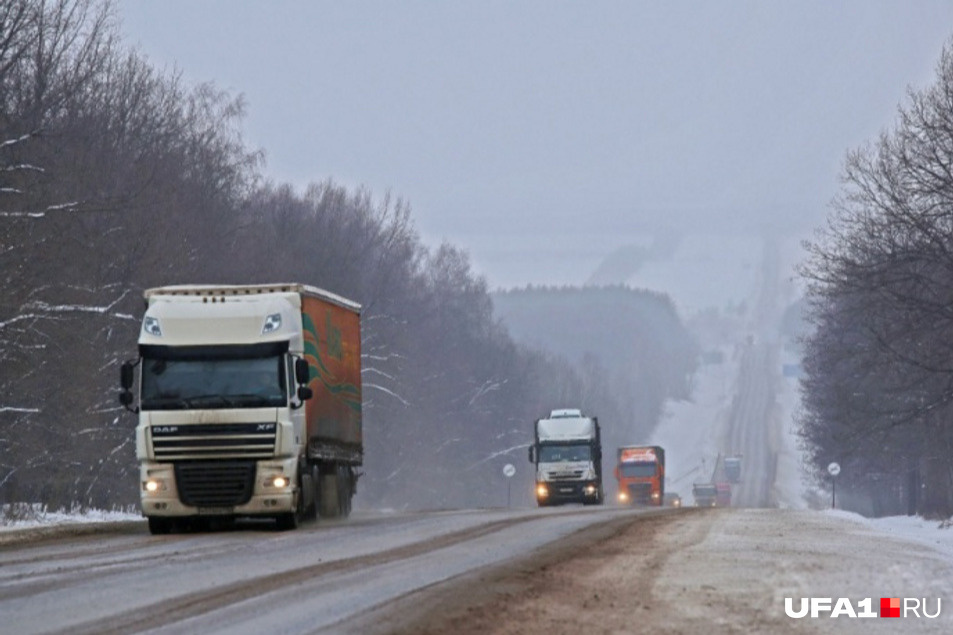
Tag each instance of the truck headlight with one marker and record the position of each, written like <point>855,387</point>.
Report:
<point>279,482</point>
<point>590,490</point>
<point>542,491</point>
<point>655,495</point>
<point>623,497</point>
<point>153,485</point>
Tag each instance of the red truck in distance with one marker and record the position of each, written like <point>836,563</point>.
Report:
<point>640,471</point>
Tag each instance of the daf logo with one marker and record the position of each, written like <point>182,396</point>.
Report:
<point>266,427</point>
<point>165,429</point>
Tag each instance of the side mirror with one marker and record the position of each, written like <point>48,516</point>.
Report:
<point>305,393</point>
<point>532,454</point>
<point>302,371</point>
<point>125,398</point>
<point>126,376</point>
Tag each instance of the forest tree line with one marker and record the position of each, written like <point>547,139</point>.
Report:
<point>116,177</point>
<point>878,385</point>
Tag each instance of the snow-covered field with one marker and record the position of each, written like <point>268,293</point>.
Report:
<point>36,516</point>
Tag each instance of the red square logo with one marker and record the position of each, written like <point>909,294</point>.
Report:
<point>889,607</point>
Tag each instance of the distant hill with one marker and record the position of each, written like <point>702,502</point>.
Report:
<point>623,263</point>
<point>635,335</point>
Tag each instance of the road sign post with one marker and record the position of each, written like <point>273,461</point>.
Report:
<point>508,471</point>
<point>833,469</point>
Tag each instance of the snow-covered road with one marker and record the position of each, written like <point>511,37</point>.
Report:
<point>704,571</point>
<point>256,580</point>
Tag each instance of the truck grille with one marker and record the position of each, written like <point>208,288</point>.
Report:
<point>566,476</point>
<point>215,483</point>
<point>640,491</point>
<point>214,441</point>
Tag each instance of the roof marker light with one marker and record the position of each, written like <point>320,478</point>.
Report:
<point>151,326</point>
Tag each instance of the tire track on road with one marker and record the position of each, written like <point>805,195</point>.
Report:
<point>193,604</point>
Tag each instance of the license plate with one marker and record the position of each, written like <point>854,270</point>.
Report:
<point>565,490</point>
<point>216,511</point>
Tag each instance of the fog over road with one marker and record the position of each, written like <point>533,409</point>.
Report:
<point>754,425</point>
<point>522,571</point>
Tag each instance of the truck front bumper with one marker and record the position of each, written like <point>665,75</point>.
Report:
<point>555,492</point>
<point>273,490</point>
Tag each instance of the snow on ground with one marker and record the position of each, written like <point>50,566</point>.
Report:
<point>930,533</point>
<point>690,431</point>
<point>36,516</point>
<point>789,484</point>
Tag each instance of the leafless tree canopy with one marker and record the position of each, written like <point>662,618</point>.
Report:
<point>115,177</point>
<point>879,365</point>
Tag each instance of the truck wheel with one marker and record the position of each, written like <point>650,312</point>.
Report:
<point>330,506</point>
<point>159,526</point>
<point>345,490</point>
<point>309,502</point>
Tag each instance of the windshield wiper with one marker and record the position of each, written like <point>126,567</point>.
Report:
<point>164,403</point>
<point>207,401</point>
<point>252,399</point>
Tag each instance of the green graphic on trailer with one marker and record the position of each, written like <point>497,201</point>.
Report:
<point>348,393</point>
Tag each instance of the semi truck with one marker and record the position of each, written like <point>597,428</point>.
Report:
<point>705,494</point>
<point>249,403</point>
<point>733,469</point>
<point>723,494</point>
<point>640,471</point>
<point>567,454</point>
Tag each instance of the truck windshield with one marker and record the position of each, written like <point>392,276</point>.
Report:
<point>563,453</point>
<point>185,384</point>
<point>638,470</point>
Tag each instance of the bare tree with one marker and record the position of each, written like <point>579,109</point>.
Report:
<point>880,363</point>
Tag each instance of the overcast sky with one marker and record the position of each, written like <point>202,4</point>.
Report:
<point>513,125</point>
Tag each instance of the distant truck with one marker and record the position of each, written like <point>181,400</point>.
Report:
<point>723,494</point>
<point>672,500</point>
<point>249,403</point>
<point>640,471</point>
<point>704,494</point>
<point>733,468</point>
<point>567,453</point>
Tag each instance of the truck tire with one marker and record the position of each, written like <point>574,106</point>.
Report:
<point>330,506</point>
<point>308,497</point>
<point>159,526</point>
<point>345,490</point>
<point>291,520</point>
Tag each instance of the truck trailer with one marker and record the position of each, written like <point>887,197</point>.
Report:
<point>567,453</point>
<point>640,471</point>
<point>249,403</point>
<point>733,468</point>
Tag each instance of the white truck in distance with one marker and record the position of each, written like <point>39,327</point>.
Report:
<point>567,453</point>
<point>249,403</point>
